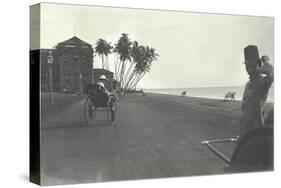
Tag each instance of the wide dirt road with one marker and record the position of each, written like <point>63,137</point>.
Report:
<point>153,136</point>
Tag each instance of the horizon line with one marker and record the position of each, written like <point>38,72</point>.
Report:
<point>191,87</point>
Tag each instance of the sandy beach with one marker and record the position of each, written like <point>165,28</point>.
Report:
<point>154,136</point>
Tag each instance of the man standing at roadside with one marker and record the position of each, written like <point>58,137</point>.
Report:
<point>256,90</point>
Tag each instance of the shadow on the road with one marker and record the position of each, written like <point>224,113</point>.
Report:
<point>78,124</point>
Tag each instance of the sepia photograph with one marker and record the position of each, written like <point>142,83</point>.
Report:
<point>130,94</point>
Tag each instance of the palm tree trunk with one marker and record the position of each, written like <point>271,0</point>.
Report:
<point>125,70</point>
<point>139,79</point>
<point>105,65</point>
<point>108,68</point>
<point>134,79</point>
<point>116,63</point>
<point>119,69</point>
<point>122,72</point>
<point>102,61</point>
<point>130,78</point>
<point>129,71</point>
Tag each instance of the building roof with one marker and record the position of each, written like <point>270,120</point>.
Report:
<point>102,71</point>
<point>74,41</point>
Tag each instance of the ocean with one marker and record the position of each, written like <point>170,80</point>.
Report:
<point>208,92</point>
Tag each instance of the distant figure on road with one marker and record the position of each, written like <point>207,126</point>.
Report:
<point>183,94</point>
<point>256,89</point>
<point>229,96</point>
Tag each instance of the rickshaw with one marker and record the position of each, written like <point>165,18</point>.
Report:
<point>97,101</point>
<point>253,152</point>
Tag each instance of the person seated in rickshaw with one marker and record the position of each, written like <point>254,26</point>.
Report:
<point>101,87</point>
<point>101,81</point>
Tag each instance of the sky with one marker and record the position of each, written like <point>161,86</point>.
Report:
<point>195,49</point>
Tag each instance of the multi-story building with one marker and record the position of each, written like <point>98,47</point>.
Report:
<point>72,66</point>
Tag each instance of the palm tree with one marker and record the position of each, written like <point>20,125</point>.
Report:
<point>145,65</point>
<point>140,68</point>
<point>134,53</point>
<point>152,56</point>
<point>122,48</point>
<point>138,55</point>
<point>103,48</point>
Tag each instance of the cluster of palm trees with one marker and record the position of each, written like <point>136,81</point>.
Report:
<point>131,61</point>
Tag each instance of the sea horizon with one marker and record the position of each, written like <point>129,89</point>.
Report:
<point>216,92</point>
<point>190,87</point>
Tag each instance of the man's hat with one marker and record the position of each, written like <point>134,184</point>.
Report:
<point>251,53</point>
<point>102,77</point>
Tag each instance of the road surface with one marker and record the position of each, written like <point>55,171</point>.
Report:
<point>153,137</point>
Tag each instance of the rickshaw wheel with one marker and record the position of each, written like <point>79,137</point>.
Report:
<point>254,152</point>
<point>89,110</point>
